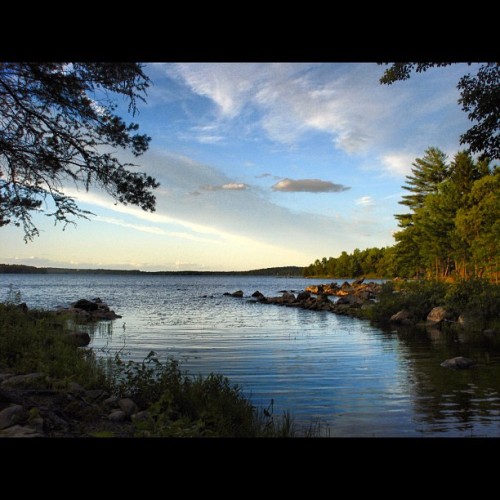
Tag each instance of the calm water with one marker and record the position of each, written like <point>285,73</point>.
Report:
<point>351,378</point>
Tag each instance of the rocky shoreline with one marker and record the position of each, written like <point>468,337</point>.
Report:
<point>353,298</point>
<point>27,409</point>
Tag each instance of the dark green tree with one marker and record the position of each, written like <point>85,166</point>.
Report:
<point>58,126</point>
<point>479,97</point>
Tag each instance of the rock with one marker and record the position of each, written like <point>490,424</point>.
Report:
<point>358,282</point>
<point>97,300</point>
<point>117,416</point>
<point>343,300</point>
<point>75,388</point>
<point>257,295</point>
<point>437,315</point>
<point>345,285</point>
<point>5,376</point>
<point>96,394</point>
<point>128,406</point>
<point>12,415</point>
<point>111,402</point>
<point>288,297</point>
<point>403,317</point>
<point>458,363</point>
<point>20,431</point>
<point>80,339</point>
<point>85,304</point>
<point>237,294</point>
<point>303,296</point>
<point>141,416</point>
<point>105,315</point>
<point>227,293</point>
<point>23,380</point>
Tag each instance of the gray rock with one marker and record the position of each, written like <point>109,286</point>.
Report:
<point>343,300</point>
<point>20,431</point>
<point>141,416</point>
<point>86,305</point>
<point>117,416</point>
<point>303,296</point>
<point>257,295</point>
<point>402,317</point>
<point>458,363</point>
<point>5,376</point>
<point>75,388</point>
<point>12,415</point>
<point>22,380</point>
<point>287,296</point>
<point>96,394</point>
<point>111,402</point>
<point>128,406</point>
<point>237,294</point>
<point>437,315</point>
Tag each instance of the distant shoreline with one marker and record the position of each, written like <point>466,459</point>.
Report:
<point>286,271</point>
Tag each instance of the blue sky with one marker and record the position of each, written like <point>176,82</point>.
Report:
<point>260,165</point>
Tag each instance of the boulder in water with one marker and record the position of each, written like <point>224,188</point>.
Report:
<point>458,363</point>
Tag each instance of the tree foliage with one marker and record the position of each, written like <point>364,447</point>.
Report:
<point>58,126</point>
<point>451,230</point>
<point>479,98</point>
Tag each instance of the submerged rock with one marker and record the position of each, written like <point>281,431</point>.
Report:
<point>458,363</point>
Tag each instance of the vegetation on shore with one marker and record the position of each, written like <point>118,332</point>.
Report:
<point>283,271</point>
<point>475,300</point>
<point>176,404</point>
<point>450,230</point>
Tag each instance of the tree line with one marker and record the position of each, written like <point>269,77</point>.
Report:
<point>451,227</point>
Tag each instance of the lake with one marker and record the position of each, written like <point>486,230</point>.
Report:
<point>341,375</point>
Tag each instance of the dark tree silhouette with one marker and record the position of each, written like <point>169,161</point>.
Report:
<point>57,126</point>
<point>479,97</point>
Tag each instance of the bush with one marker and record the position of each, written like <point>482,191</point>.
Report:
<point>37,341</point>
<point>180,405</point>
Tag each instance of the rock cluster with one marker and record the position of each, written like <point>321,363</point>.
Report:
<point>27,410</point>
<point>352,297</point>
<point>90,310</point>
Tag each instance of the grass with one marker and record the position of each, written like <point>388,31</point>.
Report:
<point>177,404</point>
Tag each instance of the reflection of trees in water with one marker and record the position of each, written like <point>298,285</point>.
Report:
<point>452,400</point>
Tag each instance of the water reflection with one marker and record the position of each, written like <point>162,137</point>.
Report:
<point>452,402</point>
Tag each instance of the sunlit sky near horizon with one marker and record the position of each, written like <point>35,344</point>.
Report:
<point>260,165</point>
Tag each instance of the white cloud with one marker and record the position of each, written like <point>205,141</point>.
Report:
<point>230,186</point>
<point>397,164</point>
<point>345,101</point>
<point>365,201</point>
<point>308,186</point>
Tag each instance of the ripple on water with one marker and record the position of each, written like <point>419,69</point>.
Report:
<point>338,374</point>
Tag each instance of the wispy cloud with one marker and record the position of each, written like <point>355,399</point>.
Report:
<point>397,164</point>
<point>265,175</point>
<point>365,201</point>
<point>230,186</point>
<point>308,186</point>
<point>344,101</point>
